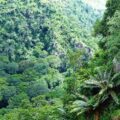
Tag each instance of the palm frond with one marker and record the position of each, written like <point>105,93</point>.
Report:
<point>76,110</point>
<point>80,107</point>
<point>115,76</point>
<point>80,96</point>
<point>82,111</point>
<point>114,96</point>
<point>80,103</point>
<point>92,82</point>
<point>102,91</point>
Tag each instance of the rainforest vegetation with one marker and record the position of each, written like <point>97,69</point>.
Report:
<point>59,60</point>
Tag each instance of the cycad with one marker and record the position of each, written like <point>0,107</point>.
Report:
<point>80,106</point>
<point>87,106</point>
<point>107,84</point>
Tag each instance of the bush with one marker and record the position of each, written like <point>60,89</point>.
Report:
<point>11,68</point>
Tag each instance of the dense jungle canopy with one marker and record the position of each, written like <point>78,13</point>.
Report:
<point>59,60</point>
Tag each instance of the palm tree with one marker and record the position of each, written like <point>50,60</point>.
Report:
<point>107,84</point>
<point>85,105</point>
<point>80,107</point>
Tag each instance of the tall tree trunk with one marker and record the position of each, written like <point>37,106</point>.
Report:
<point>97,115</point>
<point>87,116</point>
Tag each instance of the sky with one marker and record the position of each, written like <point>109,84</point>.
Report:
<point>97,4</point>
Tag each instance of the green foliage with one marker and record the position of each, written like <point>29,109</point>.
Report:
<point>17,100</point>
<point>103,87</point>
<point>97,27</point>
<point>47,58</point>
<point>116,114</point>
<point>11,68</point>
<point>112,7</point>
<point>80,107</point>
<point>37,89</point>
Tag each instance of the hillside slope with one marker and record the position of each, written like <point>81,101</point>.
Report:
<point>35,39</point>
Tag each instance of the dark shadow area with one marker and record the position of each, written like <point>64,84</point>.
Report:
<point>3,104</point>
